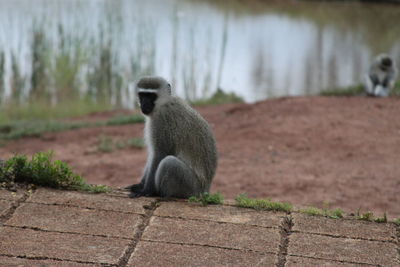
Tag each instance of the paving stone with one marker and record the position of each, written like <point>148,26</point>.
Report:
<point>212,233</point>
<point>219,213</point>
<point>12,261</point>
<point>4,206</point>
<point>87,200</point>
<point>292,261</point>
<point>163,254</point>
<point>76,220</point>
<point>10,195</point>
<point>343,249</point>
<point>345,228</point>
<point>74,247</point>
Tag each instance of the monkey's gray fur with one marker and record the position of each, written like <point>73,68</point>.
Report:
<point>381,76</point>
<point>182,154</point>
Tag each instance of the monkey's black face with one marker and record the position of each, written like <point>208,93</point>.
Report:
<point>147,102</point>
<point>386,63</point>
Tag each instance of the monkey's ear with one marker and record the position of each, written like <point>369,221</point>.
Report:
<point>169,89</point>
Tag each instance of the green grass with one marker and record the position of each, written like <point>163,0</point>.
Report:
<point>207,199</point>
<point>367,216</point>
<point>126,119</point>
<point>356,90</point>
<point>336,213</point>
<point>135,143</point>
<point>397,221</point>
<point>107,144</point>
<point>262,204</point>
<point>36,128</point>
<point>219,97</point>
<point>19,129</point>
<point>381,219</point>
<point>41,170</point>
<point>348,91</point>
<point>42,111</point>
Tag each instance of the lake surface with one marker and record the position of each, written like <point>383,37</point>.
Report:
<point>256,49</point>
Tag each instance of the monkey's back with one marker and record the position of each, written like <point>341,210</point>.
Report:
<point>183,133</point>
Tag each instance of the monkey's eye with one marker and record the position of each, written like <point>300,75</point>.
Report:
<point>150,96</point>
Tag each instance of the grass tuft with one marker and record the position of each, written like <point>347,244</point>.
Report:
<point>368,216</point>
<point>135,143</point>
<point>381,219</point>
<point>335,214</point>
<point>207,199</point>
<point>107,144</point>
<point>312,211</point>
<point>127,119</point>
<point>262,204</point>
<point>397,221</point>
<point>219,97</point>
<point>42,171</point>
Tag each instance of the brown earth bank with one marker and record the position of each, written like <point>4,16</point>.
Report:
<point>303,150</point>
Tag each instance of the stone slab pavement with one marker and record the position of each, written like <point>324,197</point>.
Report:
<point>64,228</point>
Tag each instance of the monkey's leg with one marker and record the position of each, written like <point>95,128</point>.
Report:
<point>175,179</point>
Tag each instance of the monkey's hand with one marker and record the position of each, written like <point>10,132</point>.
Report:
<point>136,194</point>
<point>134,187</point>
<point>137,190</point>
<point>141,193</point>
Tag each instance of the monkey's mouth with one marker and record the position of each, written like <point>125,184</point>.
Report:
<point>147,109</point>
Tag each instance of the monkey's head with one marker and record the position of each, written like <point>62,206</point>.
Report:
<point>151,89</point>
<point>385,62</point>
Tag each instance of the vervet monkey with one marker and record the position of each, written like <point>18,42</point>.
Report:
<point>381,76</point>
<point>182,154</point>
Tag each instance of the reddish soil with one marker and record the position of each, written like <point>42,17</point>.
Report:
<point>304,150</point>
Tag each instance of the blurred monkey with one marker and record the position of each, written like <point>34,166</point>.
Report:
<point>381,76</point>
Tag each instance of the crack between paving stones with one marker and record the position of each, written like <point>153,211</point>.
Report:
<point>209,246</point>
<point>53,259</point>
<point>10,212</point>
<point>398,243</point>
<point>123,261</point>
<point>341,261</point>
<point>82,207</point>
<point>65,232</point>
<point>219,222</point>
<point>285,231</point>
<point>347,237</point>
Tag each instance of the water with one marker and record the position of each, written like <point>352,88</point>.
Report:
<point>256,49</point>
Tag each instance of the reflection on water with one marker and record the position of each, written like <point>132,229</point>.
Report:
<point>256,49</point>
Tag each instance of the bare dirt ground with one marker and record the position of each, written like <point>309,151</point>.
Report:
<point>304,150</point>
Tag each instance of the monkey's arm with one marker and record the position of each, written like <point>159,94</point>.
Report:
<point>139,186</point>
<point>147,186</point>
